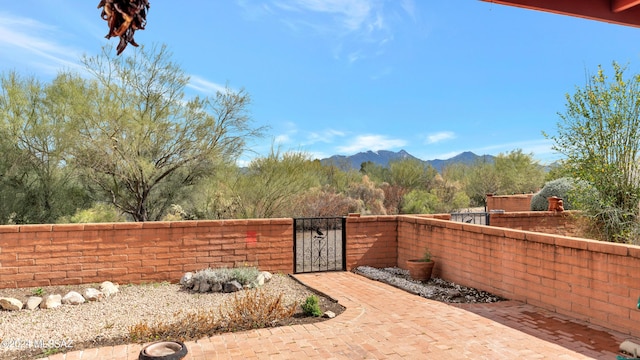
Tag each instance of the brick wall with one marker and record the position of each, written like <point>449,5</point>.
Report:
<point>41,255</point>
<point>509,203</point>
<point>372,241</point>
<point>595,281</point>
<point>548,222</point>
<point>585,279</point>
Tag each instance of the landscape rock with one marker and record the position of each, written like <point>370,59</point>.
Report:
<point>51,301</point>
<point>262,278</point>
<point>195,285</point>
<point>108,288</point>
<point>329,314</point>
<point>204,286</point>
<point>267,276</point>
<point>10,304</point>
<point>232,286</point>
<point>73,298</point>
<point>91,294</point>
<point>187,280</point>
<point>217,287</point>
<point>33,302</point>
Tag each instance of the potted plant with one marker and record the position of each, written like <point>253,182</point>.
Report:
<point>420,269</point>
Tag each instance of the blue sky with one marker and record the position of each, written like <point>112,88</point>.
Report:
<point>434,78</point>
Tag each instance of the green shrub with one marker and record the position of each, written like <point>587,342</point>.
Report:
<point>98,213</point>
<point>244,275</point>
<point>560,187</point>
<point>311,306</point>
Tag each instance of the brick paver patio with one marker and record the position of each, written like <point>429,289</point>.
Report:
<point>382,322</point>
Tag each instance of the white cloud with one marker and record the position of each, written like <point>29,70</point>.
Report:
<point>325,136</point>
<point>282,139</point>
<point>410,8</point>
<point>541,149</point>
<point>537,147</point>
<point>356,29</point>
<point>27,41</point>
<point>440,136</point>
<point>204,86</point>
<point>371,142</point>
<point>351,14</point>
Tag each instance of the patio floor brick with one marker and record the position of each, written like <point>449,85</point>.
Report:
<point>382,322</point>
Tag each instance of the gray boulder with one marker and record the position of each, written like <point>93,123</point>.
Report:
<point>187,280</point>
<point>232,286</point>
<point>204,286</point>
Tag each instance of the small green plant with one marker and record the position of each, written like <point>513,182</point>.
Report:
<point>311,306</point>
<point>426,256</point>
<point>38,292</point>
<point>51,351</point>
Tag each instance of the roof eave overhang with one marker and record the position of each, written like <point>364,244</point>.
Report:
<point>623,12</point>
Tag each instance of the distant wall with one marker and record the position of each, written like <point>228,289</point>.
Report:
<point>41,255</point>
<point>509,203</point>
<point>559,223</point>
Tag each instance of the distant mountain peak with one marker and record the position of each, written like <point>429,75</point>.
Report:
<point>384,157</point>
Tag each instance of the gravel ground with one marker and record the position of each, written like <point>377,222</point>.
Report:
<point>95,324</point>
<point>435,289</point>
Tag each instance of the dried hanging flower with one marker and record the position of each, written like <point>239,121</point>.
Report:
<point>124,17</point>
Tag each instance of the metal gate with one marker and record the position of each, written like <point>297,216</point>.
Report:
<point>319,244</point>
<point>480,218</point>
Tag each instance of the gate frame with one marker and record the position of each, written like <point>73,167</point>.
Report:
<point>474,215</point>
<point>343,220</point>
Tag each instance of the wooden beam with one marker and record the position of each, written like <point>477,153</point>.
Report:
<point>622,5</point>
<point>600,10</point>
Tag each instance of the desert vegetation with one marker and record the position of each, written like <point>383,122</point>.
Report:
<point>124,142</point>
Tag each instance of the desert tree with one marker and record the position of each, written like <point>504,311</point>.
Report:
<point>518,172</point>
<point>271,183</point>
<point>36,183</point>
<point>599,134</point>
<point>143,143</point>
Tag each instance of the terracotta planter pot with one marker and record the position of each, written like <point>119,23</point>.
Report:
<point>163,350</point>
<point>555,204</point>
<point>420,270</point>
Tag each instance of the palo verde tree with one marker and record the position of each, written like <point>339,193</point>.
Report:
<point>142,143</point>
<point>36,183</point>
<point>599,133</point>
<point>518,172</point>
<point>271,183</point>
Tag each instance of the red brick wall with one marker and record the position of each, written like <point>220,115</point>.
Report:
<point>548,222</point>
<point>509,203</point>
<point>372,241</point>
<point>41,255</point>
<point>585,279</point>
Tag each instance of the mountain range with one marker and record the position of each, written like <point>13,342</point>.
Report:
<point>384,157</point>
